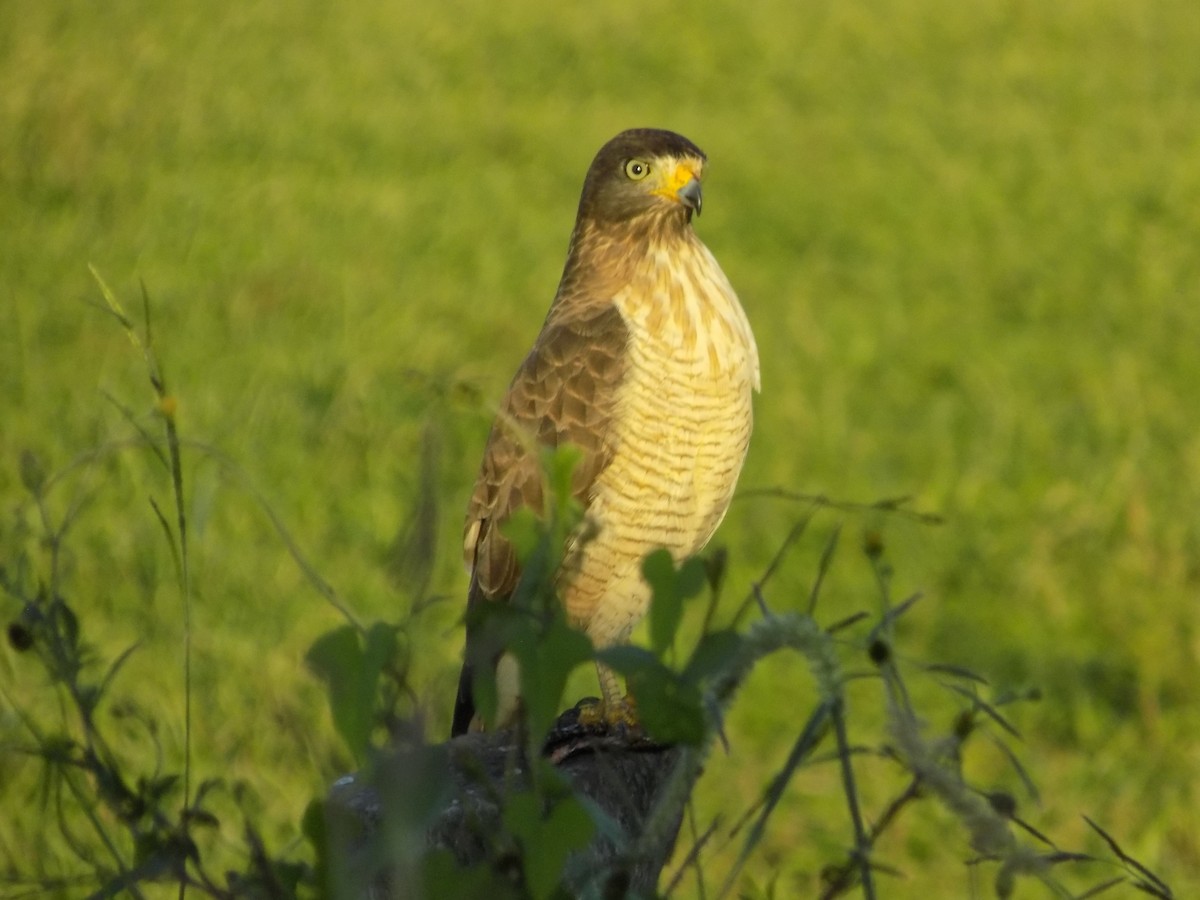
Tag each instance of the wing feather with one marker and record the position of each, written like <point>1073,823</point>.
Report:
<point>564,392</point>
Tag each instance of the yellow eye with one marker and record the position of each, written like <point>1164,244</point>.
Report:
<point>636,170</point>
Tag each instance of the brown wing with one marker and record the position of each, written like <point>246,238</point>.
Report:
<point>564,392</point>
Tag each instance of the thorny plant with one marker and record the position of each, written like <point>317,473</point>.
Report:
<point>932,765</point>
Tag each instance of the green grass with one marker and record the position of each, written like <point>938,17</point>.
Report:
<point>965,234</point>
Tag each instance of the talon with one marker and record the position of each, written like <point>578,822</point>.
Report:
<point>591,712</point>
<point>623,713</point>
<point>616,716</point>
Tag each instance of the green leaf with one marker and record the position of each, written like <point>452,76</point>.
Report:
<point>560,464</point>
<point>496,627</point>
<point>337,659</point>
<point>546,662</point>
<point>546,839</point>
<point>380,649</point>
<point>566,829</point>
<point>442,876</point>
<point>670,587</point>
<point>522,814</point>
<point>351,675</point>
<point>523,529</point>
<point>535,590</point>
<point>628,660</point>
<point>32,472</point>
<point>312,823</point>
<point>693,575</point>
<point>715,650</point>
<point>669,705</point>
<point>666,605</point>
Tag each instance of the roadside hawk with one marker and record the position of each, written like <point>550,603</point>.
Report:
<point>646,363</point>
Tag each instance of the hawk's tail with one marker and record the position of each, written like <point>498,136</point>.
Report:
<point>464,702</point>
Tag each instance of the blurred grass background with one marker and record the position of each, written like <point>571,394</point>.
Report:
<point>966,235</point>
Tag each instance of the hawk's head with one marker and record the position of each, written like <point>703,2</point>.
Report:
<point>643,170</point>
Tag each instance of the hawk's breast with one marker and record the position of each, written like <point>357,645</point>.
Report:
<point>679,434</point>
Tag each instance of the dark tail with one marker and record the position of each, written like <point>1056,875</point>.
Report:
<point>464,704</point>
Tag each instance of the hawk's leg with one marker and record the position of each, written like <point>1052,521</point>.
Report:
<point>613,709</point>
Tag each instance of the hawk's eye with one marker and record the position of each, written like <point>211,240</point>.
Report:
<point>636,170</point>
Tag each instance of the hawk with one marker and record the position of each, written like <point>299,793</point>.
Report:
<point>646,362</point>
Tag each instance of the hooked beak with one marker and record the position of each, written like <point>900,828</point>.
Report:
<point>682,185</point>
<point>690,195</point>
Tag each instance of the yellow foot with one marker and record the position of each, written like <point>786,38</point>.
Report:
<point>620,714</point>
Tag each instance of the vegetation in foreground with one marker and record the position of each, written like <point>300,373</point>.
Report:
<point>123,822</point>
<point>966,237</point>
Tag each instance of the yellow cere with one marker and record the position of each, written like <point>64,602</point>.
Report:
<point>681,175</point>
